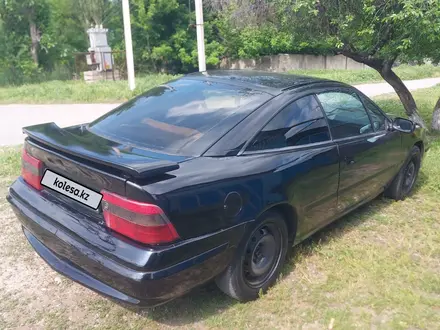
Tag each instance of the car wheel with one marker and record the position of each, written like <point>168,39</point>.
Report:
<point>258,260</point>
<point>405,180</point>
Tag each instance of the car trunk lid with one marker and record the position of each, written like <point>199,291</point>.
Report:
<point>73,160</point>
<point>94,161</point>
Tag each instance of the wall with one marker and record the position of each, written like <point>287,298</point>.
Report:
<point>288,62</point>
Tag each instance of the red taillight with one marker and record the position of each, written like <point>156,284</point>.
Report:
<point>143,222</point>
<point>31,170</point>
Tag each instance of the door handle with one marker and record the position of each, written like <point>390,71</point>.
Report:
<point>349,160</point>
<point>375,138</point>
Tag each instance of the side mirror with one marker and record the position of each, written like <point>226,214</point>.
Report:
<point>403,125</point>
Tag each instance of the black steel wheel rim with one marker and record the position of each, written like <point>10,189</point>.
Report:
<point>409,176</point>
<point>262,255</point>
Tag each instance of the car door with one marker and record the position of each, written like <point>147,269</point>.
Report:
<point>307,170</point>
<point>366,147</point>
<point>387,142</point>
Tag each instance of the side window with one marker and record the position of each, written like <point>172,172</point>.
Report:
<point>301,122</point>
<point>345,113</point>
<point>376,115</point>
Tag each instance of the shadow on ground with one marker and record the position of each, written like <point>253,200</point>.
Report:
<point>209,300</point>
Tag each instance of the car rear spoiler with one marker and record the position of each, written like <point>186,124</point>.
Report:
<point>100,150</point>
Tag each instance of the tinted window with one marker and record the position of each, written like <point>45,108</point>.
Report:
<point>184,117</point>
<point>376,115</point>
<point>299,123</point>
<point>345,113</point>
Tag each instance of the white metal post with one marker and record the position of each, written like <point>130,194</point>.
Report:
<point>200,35</point>
<point>128,44</point>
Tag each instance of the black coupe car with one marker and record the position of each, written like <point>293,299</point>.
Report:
<point>211,176</point>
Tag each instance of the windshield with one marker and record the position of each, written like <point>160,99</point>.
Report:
<point>182,117</point>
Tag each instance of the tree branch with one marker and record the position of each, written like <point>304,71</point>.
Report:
<point>388,64</point>
<point>386,36</point>
<point>363,58</point>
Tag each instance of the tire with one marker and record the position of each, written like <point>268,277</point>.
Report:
<point>258,259</point>
<point>404,182</point>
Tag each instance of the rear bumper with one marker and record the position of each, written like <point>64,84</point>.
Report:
<point>91,255</point>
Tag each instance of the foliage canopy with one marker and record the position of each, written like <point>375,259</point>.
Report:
<point>378,32</point>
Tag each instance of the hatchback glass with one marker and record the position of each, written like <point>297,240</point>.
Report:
<point>182,117</point>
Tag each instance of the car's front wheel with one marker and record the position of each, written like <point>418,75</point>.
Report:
<point>258,260</point>
<point>405,180</point>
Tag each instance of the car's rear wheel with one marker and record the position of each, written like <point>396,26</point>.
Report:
<point>405,180</point>
<point>258,260</point>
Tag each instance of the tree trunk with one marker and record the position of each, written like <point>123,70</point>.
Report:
<point>404,94</point>
<point>402,91</point>
<point>35,39</point>
<point>436,117</point>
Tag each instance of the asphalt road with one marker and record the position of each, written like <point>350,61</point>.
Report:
<point>16,116</point>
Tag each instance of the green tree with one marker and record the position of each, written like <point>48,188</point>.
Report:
<point>378,33</point>
<point>21,15</point>
<point>164,36</point>
<point>374,32</point>
<point>91,11</point>
<point>64,35</point>
<point>42,36</point>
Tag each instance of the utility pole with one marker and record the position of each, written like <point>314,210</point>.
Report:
<point>128,44</point>
<point>200,36</point>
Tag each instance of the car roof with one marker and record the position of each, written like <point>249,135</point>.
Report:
<point>268,81</point>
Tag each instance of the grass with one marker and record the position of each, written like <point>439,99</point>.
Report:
<point>79,91</point>
<point>405,72</point>
<point>377,268</point>
<point>425,99</point>
<point>10,158</point>
<point>110,91</point>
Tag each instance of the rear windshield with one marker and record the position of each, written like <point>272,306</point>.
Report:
<point>182,117</point>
